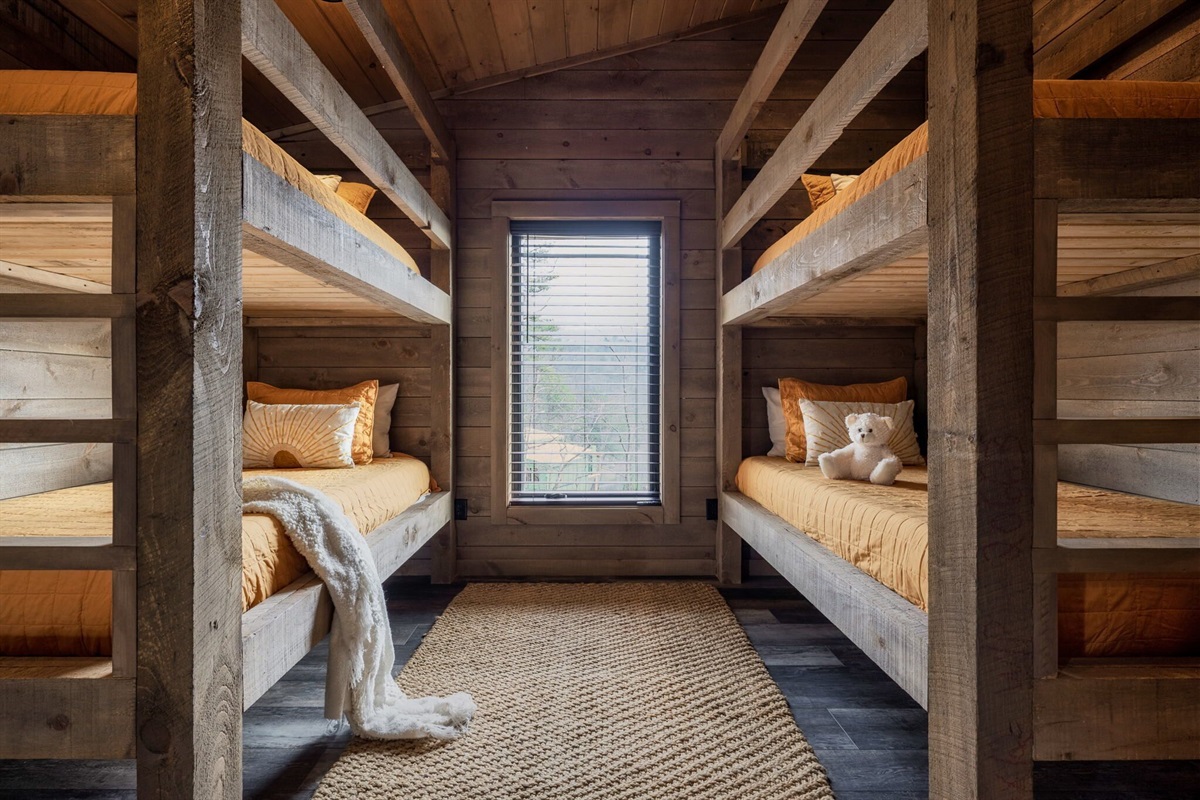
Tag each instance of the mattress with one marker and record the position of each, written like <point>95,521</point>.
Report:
<point>883,530</point>
<point>1065,99</point>
<point>115,93</point>
<point>69,613</point>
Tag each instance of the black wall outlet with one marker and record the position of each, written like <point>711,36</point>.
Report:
<point>710,508</point>
<point>460,509</point>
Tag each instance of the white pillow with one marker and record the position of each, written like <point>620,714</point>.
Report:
<point>842,182</point>
<point>331,181</point>
<point>776,424</point>
<point>311,436</point>
<point>385,401</point>
<point>825,427</point>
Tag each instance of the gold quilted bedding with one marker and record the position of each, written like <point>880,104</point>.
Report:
<point>115,93</point>
<point>1065,99</point>
<point>883,530</point>
<point>69,613</point>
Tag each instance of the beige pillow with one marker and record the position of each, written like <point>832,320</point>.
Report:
<point>776,423</point>
<point>825,427</point>
<point>384,402</point>
<point>330,181</point>
<point>310,436</point>
<point>842,182</point>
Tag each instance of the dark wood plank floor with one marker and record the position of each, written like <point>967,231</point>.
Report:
<point>867,732</point>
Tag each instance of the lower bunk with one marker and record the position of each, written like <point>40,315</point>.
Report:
<point>1129,669</point>
<point>58,691</point>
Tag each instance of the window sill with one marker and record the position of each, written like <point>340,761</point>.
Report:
<point>583,515</point>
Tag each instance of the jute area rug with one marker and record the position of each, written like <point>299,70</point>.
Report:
<point>620,691</point>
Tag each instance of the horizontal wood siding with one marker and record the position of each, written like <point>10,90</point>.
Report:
<point>1132,369</point>
<point>54,369</point>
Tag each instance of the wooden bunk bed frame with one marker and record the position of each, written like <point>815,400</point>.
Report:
<point>984,661</point>
<point>186,661</point>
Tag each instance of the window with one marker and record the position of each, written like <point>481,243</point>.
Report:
<point>585,362</point>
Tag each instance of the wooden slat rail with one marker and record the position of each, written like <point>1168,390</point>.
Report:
<point>275,47</point>
<point>1183,430</point>
<point>53,710</point>
<point>887,224</point>
<point>789,33</point>
<point>66,431</point>
<point>85,306</point>
<point>66,156</point>
<point>1117,309</point>
<point>1118,555</point>
<point>66,552</point>
<point>897,38</point>
<point>285,224</point>
<point>1133,279</point>
<point>381,35</point>
<point>1101,159</point>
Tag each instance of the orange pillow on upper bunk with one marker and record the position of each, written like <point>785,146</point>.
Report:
<point>38,91</point>
<point>793,390</point>
<point>364,394</point>
<point>820,189</point>
<point>357,195</point>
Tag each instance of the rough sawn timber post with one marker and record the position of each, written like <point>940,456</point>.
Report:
<point>189,345</point>
<point>980,399</point>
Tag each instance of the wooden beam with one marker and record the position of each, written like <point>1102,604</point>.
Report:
<point>381,35</point>
<point>69,156</point>
<point>1077,712</point>
<point>275,47</point>
<point>44,277</point>
<point>189,400</point>
<point>284,224</point>
<point>47,715</point>
<point>729,376</point>
<point>1142,430</point>
<point>1119,555</point>
<point>65,552</point>
<point>441,384</point>
<point>888,628</point>
<point>886,225</point>
<point>24,430</point>
<point>897,38</point>
<point>1107,25</point>
<point>981,586</point>
<point>84,306</point>
<point>1100,309</point>
<point>1134,279</point>
<point>789,33</point>
<point>1101,159</point>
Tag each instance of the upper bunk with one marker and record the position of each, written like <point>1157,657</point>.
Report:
<point>1115,157</point>
<point>68,152</point>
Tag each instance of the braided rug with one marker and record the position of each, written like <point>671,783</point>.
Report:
<point>616,691</point>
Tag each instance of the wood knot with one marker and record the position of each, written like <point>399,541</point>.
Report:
<point>59,722</point>
<point>183,294</point>
<point>987,57</point>
<point>155,736</point>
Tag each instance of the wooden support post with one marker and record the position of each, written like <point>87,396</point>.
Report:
<point>124,406</point>
<point>981,399</point>
<point>189,323</point>
<point>729,375</point>
<point>441,434</point>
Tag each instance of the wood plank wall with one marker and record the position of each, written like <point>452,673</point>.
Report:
<point>328,357</point>
<point>53,368</point>
<point>1132,369</point>
<point>636,126</point>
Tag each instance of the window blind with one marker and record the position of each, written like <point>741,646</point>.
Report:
<point>586,362</point>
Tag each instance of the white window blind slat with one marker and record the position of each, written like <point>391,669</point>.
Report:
<point>585,363</point>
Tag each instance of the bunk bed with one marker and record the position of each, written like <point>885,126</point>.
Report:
<point>1116,202</point>
<point>71,217</point>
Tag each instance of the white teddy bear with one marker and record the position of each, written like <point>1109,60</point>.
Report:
<point>868,456</point>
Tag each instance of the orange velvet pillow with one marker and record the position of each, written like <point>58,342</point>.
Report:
<point>820,189</point>
<point>363,393</point>
<point>793,390</point>
<point>357,195</point>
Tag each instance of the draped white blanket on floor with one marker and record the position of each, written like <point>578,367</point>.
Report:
<point>362,636</point>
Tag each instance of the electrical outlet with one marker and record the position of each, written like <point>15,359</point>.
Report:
<point>460,508</point>
<point>710,508</point>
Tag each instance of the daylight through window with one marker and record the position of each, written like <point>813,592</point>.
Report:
<point>586,362</point>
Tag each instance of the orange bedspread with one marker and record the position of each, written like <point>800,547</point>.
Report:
<point>69,613</point>
<point>115,93</point>
<point>883,530</point>
<point>1051,99</point>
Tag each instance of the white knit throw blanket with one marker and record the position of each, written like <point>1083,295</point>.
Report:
<point>338,553</point>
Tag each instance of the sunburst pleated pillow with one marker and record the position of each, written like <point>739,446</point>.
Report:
<point>286,436</point>
<point>825,427</point>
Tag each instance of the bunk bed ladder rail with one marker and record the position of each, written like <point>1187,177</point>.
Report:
<point>81,707</point>
<point>1071,699</point>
